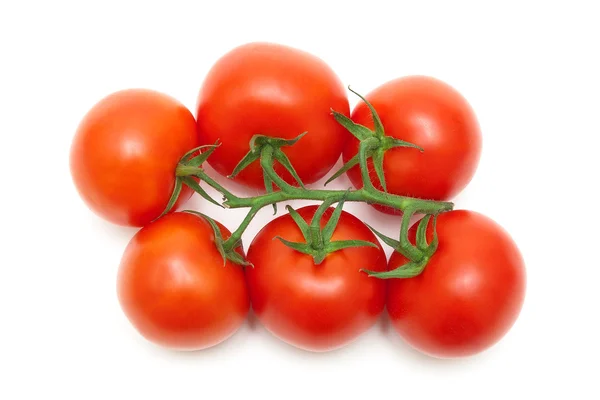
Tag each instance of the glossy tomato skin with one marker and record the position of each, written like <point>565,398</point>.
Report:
<point>173,286</point>
<point>430,113</point>
<point>125,152</point>
<point>468,296</point>
<point>278,91</point>
<point>315,307</point>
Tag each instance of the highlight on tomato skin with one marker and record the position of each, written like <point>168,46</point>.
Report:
<point>273,90</point>
<point>315,307</point>
<point>470,293</point>
<point>125,151</point>
<point>174,288</point>
<point>427,112</point>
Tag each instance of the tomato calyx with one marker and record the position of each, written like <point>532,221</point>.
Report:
<point>227,253</point>
<point>267,150</point>
<point>378,142</point>
<point>418,254</point>
<point>191,165</point>
<point>318,242</point>
<point>260,144</point>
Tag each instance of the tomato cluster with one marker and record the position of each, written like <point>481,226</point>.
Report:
<point>185,281</point>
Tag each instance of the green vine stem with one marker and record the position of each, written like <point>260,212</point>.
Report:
<point>267,151</point>
<point>368,194</point>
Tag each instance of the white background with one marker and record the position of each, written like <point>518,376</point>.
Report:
<point>530,70</point>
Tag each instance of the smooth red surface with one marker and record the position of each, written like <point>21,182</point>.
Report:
<point>468,296</point>
<point>430,113</point>
<point>125,152</point>
<point>174,288</point>
<point>315,307</point>
<point>273,90</point>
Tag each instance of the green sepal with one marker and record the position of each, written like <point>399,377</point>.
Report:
<point>192,184</point>
<point>407,249</point>
<point>431,249</point>
<point>378,165</point>
<point>345,244</point>
<point>391,142</point>
<point>408,270</point>
<point>359,131</point>
<point>333,220</point>
<point>413,268</point>
<point>231,255</point>
<point>186,157</point>
<point>283,159</point>
<point>318,238</point>
<point>379,132</point>
<point>304,248</point>
<point>174,197</point>
<point>402,246</point>
<point>351,163</point>
<point>393,243</point>
<point>302,224</point>
<point>237,244</point>
<point>259,141</point>
<point>421,237</point>
<point>236,258</point>
<point>198,160</point>
<point>216,231</point>
<point>319,257</point>
<point>248,159</point>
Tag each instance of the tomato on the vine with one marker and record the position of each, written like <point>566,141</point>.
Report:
<point>278,91</point>
<point>125,152</point>
<point>431,114</point>
<point>174,287</point>
<point>470,293</point>
<point>315,307</point>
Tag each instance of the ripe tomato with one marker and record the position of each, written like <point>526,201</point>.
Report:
<point>174,288</point>
<point>278,91</point>
<point>125,152</point>
<point>470,293</point>
<point>428,113</point>
<point>315,307</point>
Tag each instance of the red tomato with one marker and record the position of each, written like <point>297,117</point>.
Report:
<point>468,296</point>
<point>431,114</point>
<point>174,289</point>
<point>125,152</point>
<point>315,307</point>
<point>278,91</point>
